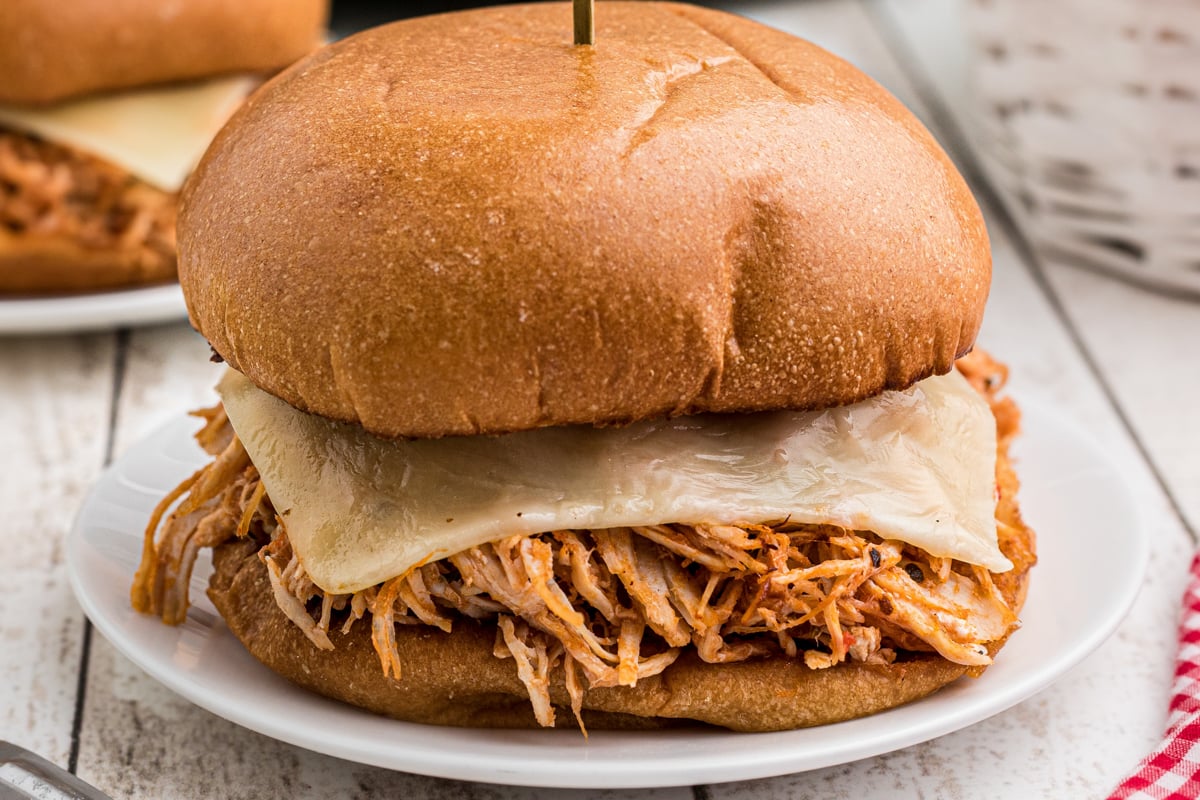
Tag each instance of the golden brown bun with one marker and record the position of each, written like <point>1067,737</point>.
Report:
<point>32,265</point>
<point>463,224</point>
<point>454,679</point>
<point>52,51</point>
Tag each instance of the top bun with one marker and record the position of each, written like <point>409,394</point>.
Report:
<point>464,223</point>
<point>52,51</point>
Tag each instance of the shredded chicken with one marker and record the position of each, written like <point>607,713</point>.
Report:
<point>619,605</point>
<point>291,605</point>
<point>50,189</point>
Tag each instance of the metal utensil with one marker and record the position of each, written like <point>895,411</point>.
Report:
<point>28,776</point>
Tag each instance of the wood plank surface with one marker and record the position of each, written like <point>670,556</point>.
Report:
<point>55,396</point>
<point>1112,359</point>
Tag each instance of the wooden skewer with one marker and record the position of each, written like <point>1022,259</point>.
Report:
<point>585,26</point>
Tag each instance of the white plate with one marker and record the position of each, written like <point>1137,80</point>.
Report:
<point>87,312</point>
<point>1073,495</point>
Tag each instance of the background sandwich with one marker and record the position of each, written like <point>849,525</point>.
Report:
<point>104,109</point>
<point>617,379</point>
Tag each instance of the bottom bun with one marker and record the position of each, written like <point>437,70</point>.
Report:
<point>44,265</point>
<point>454,678</point>
<point>72,222</point>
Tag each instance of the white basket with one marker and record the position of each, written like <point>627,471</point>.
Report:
<point>1089,117</point>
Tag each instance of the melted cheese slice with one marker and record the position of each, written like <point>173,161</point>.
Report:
<point>917,465</point>
<point>156,134</point>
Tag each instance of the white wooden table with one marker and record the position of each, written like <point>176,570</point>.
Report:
<point>1119,360</point>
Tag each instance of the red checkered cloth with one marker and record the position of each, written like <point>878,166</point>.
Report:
<point>1172,772</point>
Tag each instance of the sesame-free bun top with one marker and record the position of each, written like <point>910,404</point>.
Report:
<point>463,223</point>
<point>53,51</point>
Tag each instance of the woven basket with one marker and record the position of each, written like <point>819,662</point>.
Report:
<point>1088,114</point>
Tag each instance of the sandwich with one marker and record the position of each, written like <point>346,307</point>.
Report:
<point>104,109</point>
<point>628,385</point>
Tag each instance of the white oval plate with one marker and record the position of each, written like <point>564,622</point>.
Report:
<point>89,312</point>
<point>1089,535</point>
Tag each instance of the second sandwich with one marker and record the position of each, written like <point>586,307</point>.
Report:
<point>105,107</point>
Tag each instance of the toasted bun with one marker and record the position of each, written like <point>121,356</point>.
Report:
<point>53,51</point>
<point>61,264</point>
<point>464,224</point>
<point>454,679</point>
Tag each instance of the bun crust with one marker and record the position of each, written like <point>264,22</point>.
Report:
<point>454,679</point>
<point>60,264</point>
<point>463,224</point>
<point>53,51</point>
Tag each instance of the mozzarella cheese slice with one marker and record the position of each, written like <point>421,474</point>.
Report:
<point>917,465</point>
<point>156,134</point>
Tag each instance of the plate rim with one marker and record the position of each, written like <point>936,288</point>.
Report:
<point>599,772</point>
<point>76,313</point>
